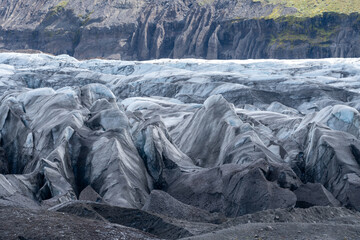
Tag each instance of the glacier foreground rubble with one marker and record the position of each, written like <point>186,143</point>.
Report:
<point>177,147</point>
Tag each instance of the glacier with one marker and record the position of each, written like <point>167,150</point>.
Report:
<point>209,139</point>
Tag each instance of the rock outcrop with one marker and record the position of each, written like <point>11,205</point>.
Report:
<point>162,203</point>
<point>314,194</point>
<point>134,218</point>
<point>235,190</point>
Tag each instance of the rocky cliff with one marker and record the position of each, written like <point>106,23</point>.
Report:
<point>139,30</point>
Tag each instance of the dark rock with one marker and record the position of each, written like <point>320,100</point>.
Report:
<point>314,194</point>
<point>89,194</point>
<point>232,189</point>
<point>42,224</point>
<point>349,195</point>
<point>133,218</point>
<point>162,203</point>
<point>140,30</point>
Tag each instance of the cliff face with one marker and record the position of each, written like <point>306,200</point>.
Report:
<point>329,35</point>
<point>139,30</point>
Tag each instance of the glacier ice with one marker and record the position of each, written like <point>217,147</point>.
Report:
<point>206,133</point>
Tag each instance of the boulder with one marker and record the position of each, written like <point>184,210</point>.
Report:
<point>162,203</point>
<point>89,194</point>
<point>233,189</point>
<point>314,194</point>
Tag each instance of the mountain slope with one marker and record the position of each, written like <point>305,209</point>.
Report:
<point>310,8</point>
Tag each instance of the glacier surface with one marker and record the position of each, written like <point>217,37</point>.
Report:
<point>225,137</point>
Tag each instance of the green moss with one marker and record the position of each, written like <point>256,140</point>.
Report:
<point>300,30</point>
<point>56,9</point>
<point>48,33</point>
<point>85,19</point>
<point>237,19</point>
<point>277,12</point>
<point>59,7</point>
<point>310,8</point>
<point>205,2</point>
